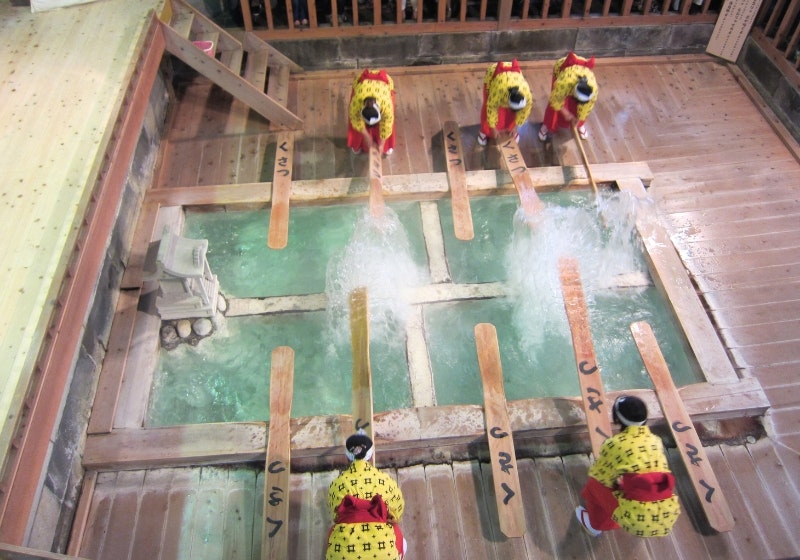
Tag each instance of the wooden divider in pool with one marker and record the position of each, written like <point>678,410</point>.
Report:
<point>275,533</point>
<point>498,433</point>
<point>376,205</point>
<point>362,374</point>
<point>598,419</point>
<point>680,423</point>
<point>457,178</point>
<point>278,235</point>
<point>515,164</point>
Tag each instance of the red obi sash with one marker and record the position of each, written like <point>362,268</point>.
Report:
<point>647,487</point>
<point>506,67</point>
<point>574,60</point>
<point>358,510</point>
<point>380,75</point>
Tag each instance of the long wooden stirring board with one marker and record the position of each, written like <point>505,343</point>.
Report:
<point>579,142</point>
<point>515,164</point>
<point>457,177</point>
<point>680,424</point>
<point>598,412</point>
<point>278,235</point>
<point>498,432</point>
<point>362,374</point>
<point>376,205</point>
<point>275,533</point>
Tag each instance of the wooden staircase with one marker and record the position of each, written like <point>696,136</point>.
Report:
<point>254,73</point>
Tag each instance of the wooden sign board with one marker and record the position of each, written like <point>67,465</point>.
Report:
<point>362,374</point>
<point>733,25</point>
<point>598,411</point>
<point>376,205</point>
<point>498,432</point>
<point>275,534</point>
<point>680,424</point>
<point>515,164</point>
<point>457,177</point>
<point>281,191</point>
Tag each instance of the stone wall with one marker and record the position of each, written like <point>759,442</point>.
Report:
<point>781,96</point>
<point>64,473</point>
<point>452,48</point>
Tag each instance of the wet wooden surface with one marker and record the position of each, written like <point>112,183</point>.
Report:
<point>726,187</point>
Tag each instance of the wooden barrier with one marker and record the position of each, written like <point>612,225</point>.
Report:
<point>688,442</point>
<point>515,164</point>
<point>278,235</point>
<point>12,552</point>
<point>362,374</point>
<point>457,178</point>
<point>275,534</point>
<point>498,432</point>
<point>376,205</point>
<point>598,418</point>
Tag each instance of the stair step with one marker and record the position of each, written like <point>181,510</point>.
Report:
<point>182,23</point>
<point>232,59</point>
<point>256,70</point>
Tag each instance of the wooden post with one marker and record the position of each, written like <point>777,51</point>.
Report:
<point>362,375</point>
<point>13,552</point>
<point>680,424</point>
<point>376,205</point>
<point>598,418</point>
<point>515,164</point>
<point>457,177</point>
<point>585,159</point>
<point>498,433</point>
<point>281,191</point>
<point>275,533</point>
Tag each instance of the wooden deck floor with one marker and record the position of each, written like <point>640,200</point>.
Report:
<point>726,183</point>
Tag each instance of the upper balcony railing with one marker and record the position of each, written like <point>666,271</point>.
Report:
<point>777,28</point>
<point>283,19</point>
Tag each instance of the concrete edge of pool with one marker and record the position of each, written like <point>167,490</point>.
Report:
<point>427,433</point>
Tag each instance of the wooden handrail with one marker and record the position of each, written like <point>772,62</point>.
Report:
<point>334,18</point>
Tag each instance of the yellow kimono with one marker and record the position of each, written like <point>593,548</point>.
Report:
<point>366,505</point>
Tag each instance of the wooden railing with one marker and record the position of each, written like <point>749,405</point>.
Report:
<point>777,29</point>
<point>276,19</point>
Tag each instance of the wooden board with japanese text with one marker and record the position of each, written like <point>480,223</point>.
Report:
<point>457,178</point>
<point>680,424</point>
<point>275,534</point>
<point>598,417</point>
<point>498,433</point>
<point>278,235</point>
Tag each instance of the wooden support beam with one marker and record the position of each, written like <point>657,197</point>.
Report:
<point>505,475</point>
<point>275,534</point>
<point>598,418</point>
<point>680,423</point>
<point>515,164</point>
<point>376,204</point>
<point>666,263</point>
<point>278,235</point>
<point>12,552</point>
<point>362,374</point>
<point>457,178</point>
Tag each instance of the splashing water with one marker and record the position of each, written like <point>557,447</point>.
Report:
<point>600,235</point>
<point>378,257</point>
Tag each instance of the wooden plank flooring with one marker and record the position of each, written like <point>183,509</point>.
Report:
<point>726,187</point>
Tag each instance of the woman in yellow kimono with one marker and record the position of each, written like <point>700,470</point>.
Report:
<point>630,484</point>
<point>371,112</point>
<point>366,505</point>
<point>507,101</point>
<point>572,97</point>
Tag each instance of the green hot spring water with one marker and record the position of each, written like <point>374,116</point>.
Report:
<point>334,249</point>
